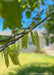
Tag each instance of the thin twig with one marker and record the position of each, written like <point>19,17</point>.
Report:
<point>12,36</point>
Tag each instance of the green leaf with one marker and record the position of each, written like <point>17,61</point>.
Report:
<point>19,1</point>
<point>6,57</point>
<point>2,54</point>
<point>13,55</point>
<point>33,24</point>
<point>43,2</point>
<point>33,37</point>
<point>23,6</point>
<point>12,13</point>
<point>37,39</point>
<point>34,4</point>
<point>24,41</point>
<point>28,14</point>
<point>18,48</point>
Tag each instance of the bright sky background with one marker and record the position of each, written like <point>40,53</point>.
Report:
<point>24,18</point>
<point>28,21</point>
<point>1,25</point>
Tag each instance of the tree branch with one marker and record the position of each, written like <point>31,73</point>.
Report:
<point>14,40</point>
<point>12,36</point>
